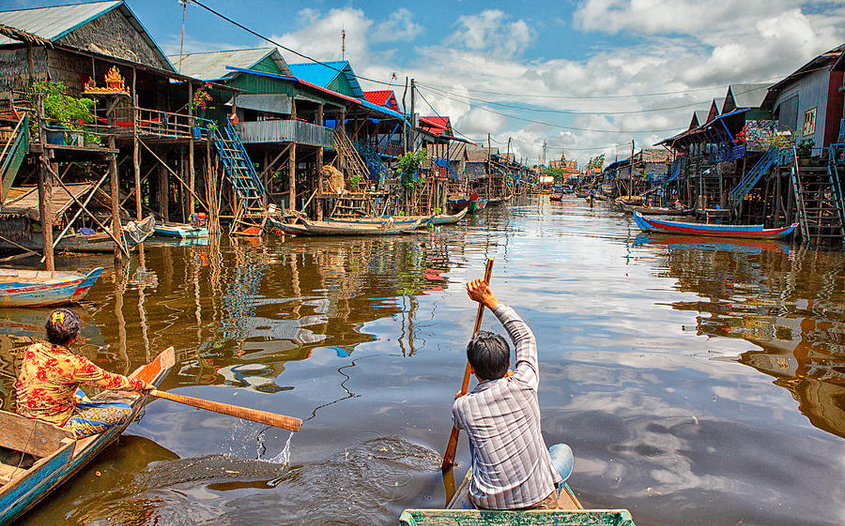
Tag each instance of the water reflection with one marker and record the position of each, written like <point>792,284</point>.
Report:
<point>789,303</point>
<point>645,349</point>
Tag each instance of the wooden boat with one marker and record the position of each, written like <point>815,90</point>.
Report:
<point>460,512</point>
<point>99,242</point>
<point>700,229</point>
<point>37,457</point>
<point>494,201</point>
<point>180,230</point>
<point>405,221</point>
<point>474,203</point>
<point>444,219</point>
<point>41,288</point>
<point>556,197</point>
<point>324,228</point>
<point>654,210</point>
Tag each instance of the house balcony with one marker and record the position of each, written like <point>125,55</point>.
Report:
<point>281,131</point>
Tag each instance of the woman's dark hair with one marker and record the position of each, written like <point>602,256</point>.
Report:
<point>62,326</point>
<point>489,355</point>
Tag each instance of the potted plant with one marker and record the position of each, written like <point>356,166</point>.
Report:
<point>63,111</point>
<point>804,150</point>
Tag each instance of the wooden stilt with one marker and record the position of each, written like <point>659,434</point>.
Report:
<point>45,205</point>
<point>292,164</point>
<point>115,205</point>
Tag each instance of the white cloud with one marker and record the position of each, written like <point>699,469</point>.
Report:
<point>673,48</point>
<point>492,31</point>
<point>320,36</point>
<point>399,25</point>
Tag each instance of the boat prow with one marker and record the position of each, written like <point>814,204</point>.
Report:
<point>31,469</point>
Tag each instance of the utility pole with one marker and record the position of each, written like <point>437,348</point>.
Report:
<point>413,142</point>
<point>343,43</point>
<point>631,170</point>
<point>405,120</point>
<point>543,159</point>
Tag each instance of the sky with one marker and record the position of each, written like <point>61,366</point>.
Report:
<point>587,77</point>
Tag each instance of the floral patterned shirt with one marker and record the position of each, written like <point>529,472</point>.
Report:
<point>49,377</point>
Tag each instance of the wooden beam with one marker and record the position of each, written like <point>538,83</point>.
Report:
<point>292,163</point>
<point>200,201</point>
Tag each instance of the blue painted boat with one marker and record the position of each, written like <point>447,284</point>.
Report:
<point>180,231</point>
<point>700,229</point>
<point>41,288</point>
<point>36,457</point>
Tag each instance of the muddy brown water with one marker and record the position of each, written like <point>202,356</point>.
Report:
<point>698,383</point>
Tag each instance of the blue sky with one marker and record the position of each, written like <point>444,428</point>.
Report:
<point>481,63</point>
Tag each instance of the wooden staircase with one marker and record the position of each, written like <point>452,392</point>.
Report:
<point>250,191</point>
<point>355,165</point>
<point>12,154</point>
<point>819,204</point>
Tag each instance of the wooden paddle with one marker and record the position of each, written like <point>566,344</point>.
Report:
<point>262,417</point>
<point>451,448</point>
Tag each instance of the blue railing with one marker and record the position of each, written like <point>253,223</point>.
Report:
<point>741,190</point>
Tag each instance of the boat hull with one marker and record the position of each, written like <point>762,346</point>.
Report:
<point>323,228</point>
<point>180,231</point>
<point>696,229</point>
<point>31,288</point>
<point>25,490</point>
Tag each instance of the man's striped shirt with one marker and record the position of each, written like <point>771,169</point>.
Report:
<point>511,464</point>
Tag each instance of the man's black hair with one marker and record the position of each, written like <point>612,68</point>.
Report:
<point>62,326</point>
<point>489,354</point>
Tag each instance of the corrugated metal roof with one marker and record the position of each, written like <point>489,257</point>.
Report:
<point>51,23</point>
<point>323,73</point>
<point>212,65</point>
<point>745,96</point>
<point>384,98</point>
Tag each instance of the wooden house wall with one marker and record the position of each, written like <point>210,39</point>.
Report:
<point>14,67</point>
<point>812,92</point>
<point>111,34</point>
<point>340,84</point>
<point>268,65</point>
<point>71,69</point>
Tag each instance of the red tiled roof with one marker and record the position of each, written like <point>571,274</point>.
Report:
<point>384,98</point>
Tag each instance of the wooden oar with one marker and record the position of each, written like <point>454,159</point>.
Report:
<point>263,417</point>
<point>451,448</point>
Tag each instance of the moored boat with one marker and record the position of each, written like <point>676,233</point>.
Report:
<point>37,457</point>
<point>460,511</point>
<point>654,210</point>
<point>41,288</point>
<point>700,229</point>
<point>324,228</point>
<point>445,219</point>
<point>99,242</point>
<point>180,230</point>
<point>556,197</point>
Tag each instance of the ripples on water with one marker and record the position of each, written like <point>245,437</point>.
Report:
<point>697,381</point>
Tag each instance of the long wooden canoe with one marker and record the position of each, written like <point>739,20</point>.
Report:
<point>41,288</point>
<point>37,457</point>
<point>700,229</point>
<point>324,228</point>
<point>97,243</point>
<point>653,210</point>
<point>461,512</point>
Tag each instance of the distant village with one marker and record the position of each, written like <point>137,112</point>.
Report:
<point>101,131</point>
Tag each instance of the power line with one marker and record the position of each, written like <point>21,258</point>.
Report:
<point>467,98</point>
<point>297,53</point>
<point>588,97</point>
<point>560,126</point>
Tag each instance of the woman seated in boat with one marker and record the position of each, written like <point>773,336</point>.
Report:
<point>50,376</point>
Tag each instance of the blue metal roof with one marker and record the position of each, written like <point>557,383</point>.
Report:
<point>323,73</point>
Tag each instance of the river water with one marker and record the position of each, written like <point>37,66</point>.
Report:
<point>697,383</point>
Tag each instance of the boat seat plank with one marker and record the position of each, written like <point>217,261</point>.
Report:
<point>524,518</point>
<point>34,437</point>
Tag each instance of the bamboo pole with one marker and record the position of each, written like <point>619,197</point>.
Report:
<point>452,446</point>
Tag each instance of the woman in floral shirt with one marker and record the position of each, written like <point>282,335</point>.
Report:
<point>47,387</point>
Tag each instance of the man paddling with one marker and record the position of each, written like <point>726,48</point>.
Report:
<point>512,469</point>
<point>47,386</point>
